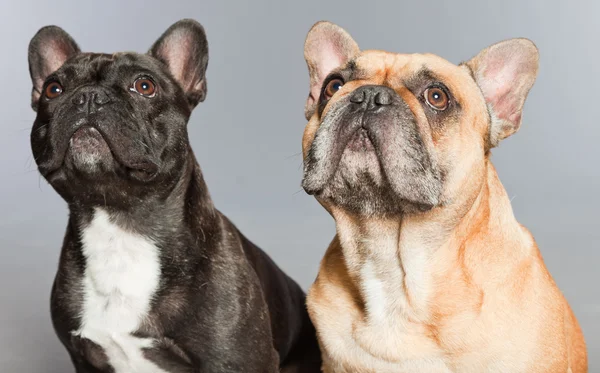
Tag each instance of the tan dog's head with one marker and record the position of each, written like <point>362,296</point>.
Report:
<point>393,133</point>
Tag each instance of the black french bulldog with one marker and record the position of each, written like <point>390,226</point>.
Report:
<point>152,277</point>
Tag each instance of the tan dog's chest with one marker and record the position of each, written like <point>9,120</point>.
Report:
<point>374,337</point>
<point>378,314</point>
<point>355,342</point>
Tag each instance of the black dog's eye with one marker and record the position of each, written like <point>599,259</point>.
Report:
<point>145,87</point>
<point>53,90</point>
<point>332,87</point>
<point>436,98</point>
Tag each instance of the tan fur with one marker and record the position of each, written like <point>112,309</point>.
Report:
<point>460,288</point>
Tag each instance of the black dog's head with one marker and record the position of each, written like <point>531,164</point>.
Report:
<point>111,128</point>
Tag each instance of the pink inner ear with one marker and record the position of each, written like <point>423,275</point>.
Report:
<point>55,53</point>
<point>328,57</point>
<point>501,88</point>
<point>331,60</point>
<point>326,48</point>
<point>176,49</point>
<point>506,73</point>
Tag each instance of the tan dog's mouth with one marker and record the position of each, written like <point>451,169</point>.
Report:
<point>365,151</point>
<point>360,142</point>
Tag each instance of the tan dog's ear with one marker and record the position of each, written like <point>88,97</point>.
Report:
<point>326,48</point>
<point>505,72</point>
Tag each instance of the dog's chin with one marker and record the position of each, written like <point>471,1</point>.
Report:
<point>89,154</point>
<point>361,188</point>
<point>365,183</point>
<point>90,174</point>
<point>90,159</point>
<point>358,184</point>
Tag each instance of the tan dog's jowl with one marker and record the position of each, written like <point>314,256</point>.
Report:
<point>429,270</point>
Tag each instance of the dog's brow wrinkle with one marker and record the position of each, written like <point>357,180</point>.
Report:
<point>420,75</point>
<point>352,65</point>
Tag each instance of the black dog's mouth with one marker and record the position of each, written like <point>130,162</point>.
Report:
<point>88,141</point>
<point>92,153</point>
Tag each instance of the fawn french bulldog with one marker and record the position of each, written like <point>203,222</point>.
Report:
<point>429,270</point>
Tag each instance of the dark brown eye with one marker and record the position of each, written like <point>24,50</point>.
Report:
<point>53,90</point>
<point>436,98</point>
<point>144,87</point>
<point>332,87</point>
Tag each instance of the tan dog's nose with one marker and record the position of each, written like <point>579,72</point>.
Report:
<point>372,97</point>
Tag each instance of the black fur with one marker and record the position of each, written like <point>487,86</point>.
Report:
<point>222,304</point>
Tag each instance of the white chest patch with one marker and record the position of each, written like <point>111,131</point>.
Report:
<point>122,274</point>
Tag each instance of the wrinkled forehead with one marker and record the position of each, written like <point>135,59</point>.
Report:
<point>406,70</point>
<point>101,66</point>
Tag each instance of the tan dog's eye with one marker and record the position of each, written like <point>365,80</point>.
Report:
<point>53,90</point>
<point>145,87</point>
<point>332,87</point>
<point>436,98</point>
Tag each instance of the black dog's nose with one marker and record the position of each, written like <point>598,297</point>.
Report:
<point>90,99</point>
<point>372,97</point>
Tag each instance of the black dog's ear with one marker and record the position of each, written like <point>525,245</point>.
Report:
<point>184,49</point>
<point>48,50</point>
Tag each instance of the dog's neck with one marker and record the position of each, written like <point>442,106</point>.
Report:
<point>184,208</point>
<point>399,264</point>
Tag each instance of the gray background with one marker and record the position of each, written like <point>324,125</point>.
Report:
<point>247,134</point>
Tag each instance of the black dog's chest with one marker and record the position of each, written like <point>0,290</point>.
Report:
<point>113,349</point>
<point>119,284</point>
<point>163,357</point>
